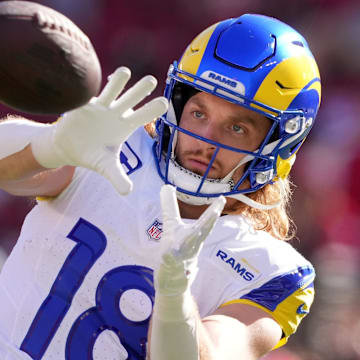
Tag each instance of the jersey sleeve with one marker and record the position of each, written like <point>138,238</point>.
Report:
<point>287,298</point>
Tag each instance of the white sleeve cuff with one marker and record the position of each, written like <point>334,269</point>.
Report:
<point>174,332</point>
<point>43,148</point>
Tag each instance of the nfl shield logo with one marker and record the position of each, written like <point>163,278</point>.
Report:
<point>155,230</point>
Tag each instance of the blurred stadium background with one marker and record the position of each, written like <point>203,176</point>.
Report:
<point>148,35</point>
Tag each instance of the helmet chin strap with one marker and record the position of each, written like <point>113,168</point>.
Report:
<point>186,179</point>
<point>195,200</point>
<point>246,200</point>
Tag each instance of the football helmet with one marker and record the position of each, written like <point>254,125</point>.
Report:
<point>257,62</point>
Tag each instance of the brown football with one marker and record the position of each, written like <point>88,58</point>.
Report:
<point>47,64</point>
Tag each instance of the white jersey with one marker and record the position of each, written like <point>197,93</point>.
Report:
<point>79,282</point>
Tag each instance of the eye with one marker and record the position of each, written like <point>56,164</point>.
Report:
<point>237,128</point>
<point>198,114</point>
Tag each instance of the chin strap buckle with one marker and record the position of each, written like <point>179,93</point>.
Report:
<point>264,177</point>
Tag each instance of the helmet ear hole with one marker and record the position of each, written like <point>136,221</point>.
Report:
<point>181,94</point>
<point>166,138</point>
<point>275,134</point>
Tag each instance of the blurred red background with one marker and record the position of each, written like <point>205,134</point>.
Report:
<point>147,36</point>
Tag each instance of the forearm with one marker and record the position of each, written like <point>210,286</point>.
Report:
<point>19,166</point>
<point>177,331</point>
<point>20,173</point>
<point>16,158</point>
<point>48,183</point>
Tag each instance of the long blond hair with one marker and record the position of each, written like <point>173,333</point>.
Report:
<point>275,221</point>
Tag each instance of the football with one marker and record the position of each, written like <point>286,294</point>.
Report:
<point>47,64</point>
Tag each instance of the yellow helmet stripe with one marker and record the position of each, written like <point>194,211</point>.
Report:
<point>192,57</point>
<point>281,98</point>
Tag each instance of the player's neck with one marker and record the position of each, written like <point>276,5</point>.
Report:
<point>188,211</point>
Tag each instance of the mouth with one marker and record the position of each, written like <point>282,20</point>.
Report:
<point>198,166</point>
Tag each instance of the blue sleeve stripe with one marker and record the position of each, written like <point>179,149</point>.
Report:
<point>272,293</point>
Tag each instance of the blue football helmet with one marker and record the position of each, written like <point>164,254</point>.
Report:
<point>256,62</point>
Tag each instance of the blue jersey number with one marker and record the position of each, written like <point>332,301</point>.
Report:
<point>106,315</point>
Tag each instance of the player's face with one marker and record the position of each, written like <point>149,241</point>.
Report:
<point>219,120</point>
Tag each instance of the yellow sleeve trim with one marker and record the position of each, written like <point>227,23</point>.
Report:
<point>45,198</point>
<point>283,340</point>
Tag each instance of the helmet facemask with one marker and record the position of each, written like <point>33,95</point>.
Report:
<point>200,189</point>
<point>273,81</point>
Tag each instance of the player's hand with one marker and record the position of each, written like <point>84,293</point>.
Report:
<point>181,243</point>
<point>91,136</point>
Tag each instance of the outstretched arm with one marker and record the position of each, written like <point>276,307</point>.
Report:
<point>90,136</point>
<point>236,331</point>
<point>22,175</point>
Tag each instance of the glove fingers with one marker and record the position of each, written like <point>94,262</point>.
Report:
<point>215,209</point>
<point>115,173</point>
<point>191,247</point>
<point>115,85</point>
<point>207,220</point>
<point>203,227</point>
<point>169,206</point>
<point>135,94</point>
<point>149,112</point>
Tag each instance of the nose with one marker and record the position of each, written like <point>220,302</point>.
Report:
<point>211,132</point>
